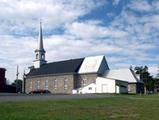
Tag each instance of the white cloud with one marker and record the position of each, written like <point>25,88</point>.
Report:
<point>87,30</point>
<point>22,16</point>
<point>153,69</point>
<point>116,2</point>
<point>139,5</point>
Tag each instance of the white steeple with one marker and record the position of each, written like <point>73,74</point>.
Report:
<point>40,52</point>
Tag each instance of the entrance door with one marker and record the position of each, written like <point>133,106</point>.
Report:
<point>104,88</point>
<point>117,89</point>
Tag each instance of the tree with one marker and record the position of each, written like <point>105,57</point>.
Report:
<point>146,78</point>
<point>158,72</point>
<point>157,81</point>
<point>18,84</point>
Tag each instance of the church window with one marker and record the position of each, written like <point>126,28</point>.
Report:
<point>43,57</point>
<point>31,85</point>
<point>83,82</point>
<point>36,56</point>
<point>65,84</point>
<point>90,88</point>
<point>38,85</point>
<point>46,84</point>
<point>55,84</point>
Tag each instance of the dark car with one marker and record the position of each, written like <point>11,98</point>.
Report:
<point>39,91</point>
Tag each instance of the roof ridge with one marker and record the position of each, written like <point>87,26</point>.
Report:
<point>65,60</point>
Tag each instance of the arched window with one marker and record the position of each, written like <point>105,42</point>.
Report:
<point>46,85</point>
<point>43,57</point>
<point>83,82</point>
<point>38,85</point>
<point>65,84</point>
<point>36,56</point>
<point>55,84</point>
<point>30,85</point>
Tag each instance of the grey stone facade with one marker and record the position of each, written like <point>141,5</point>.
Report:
<point>56,84</point>
<point>132,87</point>
<point>136,88</point>
<point>59,84</point>
<point>86,79</point>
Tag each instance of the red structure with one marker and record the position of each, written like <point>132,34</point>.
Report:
<point>2,79</point>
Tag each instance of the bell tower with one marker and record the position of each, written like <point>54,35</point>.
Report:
<point>40,52</point>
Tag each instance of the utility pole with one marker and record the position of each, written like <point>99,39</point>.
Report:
<point>23,84</point>
<point>17,74</point>
<point>16,81</point>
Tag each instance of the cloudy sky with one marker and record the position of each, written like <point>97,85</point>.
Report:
<point>125,31</point>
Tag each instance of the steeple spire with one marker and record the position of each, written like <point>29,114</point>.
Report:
<point>40,52</point>
<point>40,45</point>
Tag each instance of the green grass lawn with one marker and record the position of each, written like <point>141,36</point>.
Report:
<point>117,107</point>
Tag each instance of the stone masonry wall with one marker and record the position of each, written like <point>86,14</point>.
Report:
<point>56,84</point>
<point>132,88</point>
<point>86,79</point>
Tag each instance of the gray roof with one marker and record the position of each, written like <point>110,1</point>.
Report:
<point>60,67</point>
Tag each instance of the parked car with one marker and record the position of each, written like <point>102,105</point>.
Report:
<point>40,91</point>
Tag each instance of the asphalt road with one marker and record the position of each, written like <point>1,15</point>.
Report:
<point>23,97</point>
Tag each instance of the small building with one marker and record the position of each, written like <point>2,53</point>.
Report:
<point>77,76</point>
<point>103,85</point>
<point>135,85</point>
<point>2,79</point>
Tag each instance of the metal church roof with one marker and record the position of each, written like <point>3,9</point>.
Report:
<point>122,74</point>
<point>67,66</point>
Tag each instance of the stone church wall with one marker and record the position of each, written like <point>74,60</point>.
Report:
<point>86,79</point>
<point>56,84</point>
<point>132,88</point>
<point>136,88</point>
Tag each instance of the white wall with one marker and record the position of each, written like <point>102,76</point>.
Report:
<point>104,85</point>
<point>91,88</point>
<point>91,64</point>
<point>36,64</point>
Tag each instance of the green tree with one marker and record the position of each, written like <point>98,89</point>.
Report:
<point>158,72</point>
<point>157,81</point>
<point>18,85</point>
<point>146,78</point>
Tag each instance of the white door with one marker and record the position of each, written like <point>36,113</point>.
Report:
<point>104,88</point>
<point>117,89</point>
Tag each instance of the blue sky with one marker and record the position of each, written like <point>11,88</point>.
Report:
<point>125,31</point>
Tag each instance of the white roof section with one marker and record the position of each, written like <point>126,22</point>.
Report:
<point>91,64</point>
<point>123,75</point>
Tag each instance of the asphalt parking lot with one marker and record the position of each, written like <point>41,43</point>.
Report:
<point>9,97</point>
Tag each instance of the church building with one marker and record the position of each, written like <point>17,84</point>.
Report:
<point>78,76</point>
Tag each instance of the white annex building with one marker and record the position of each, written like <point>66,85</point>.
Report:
<point>112,81</point>
<point>78,76</point>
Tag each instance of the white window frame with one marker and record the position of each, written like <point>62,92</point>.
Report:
<point>46,84</point>
<point>65,84</point>
<point>83,82</point>
<point>38,84</point>
<point>31,85</point>
<point>55,84</point>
